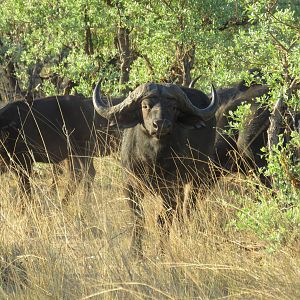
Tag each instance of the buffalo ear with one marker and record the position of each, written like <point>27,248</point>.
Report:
<point>125,120</point>
<point>191,122</point>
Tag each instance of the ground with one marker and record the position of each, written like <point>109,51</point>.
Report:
<point>82,251</point>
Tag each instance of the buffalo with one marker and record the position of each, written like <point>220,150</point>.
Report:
<point>167,141</point>
<point>242,150</point>
<point>51,130</point>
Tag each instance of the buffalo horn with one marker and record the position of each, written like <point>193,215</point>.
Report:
<point>209,111</point>
<point>105,110</point>
<point>193,82</point>
<point>205,113</point>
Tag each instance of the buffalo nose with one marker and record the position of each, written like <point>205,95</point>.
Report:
<point>162,126</point>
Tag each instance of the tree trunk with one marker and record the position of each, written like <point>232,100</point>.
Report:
<point>88,47</point>
<point>187,65</point>
<point>70,85</point>
<point>184,61</point>
<point>123,45</point>
<point>15,91</point>
<point>34,79</point>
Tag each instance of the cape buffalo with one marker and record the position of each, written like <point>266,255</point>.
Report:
<point>50,130</point>
<point>169,137</point>
<point>241,151</point>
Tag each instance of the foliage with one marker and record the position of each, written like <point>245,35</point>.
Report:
<point>238,118</point>
<point>56,36</point>
<point>271,220</point>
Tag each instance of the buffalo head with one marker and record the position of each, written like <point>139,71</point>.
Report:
<point>157,107</point>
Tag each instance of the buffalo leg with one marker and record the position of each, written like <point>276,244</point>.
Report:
<point>192,188</point>
<point>25,183</point>
<point>23,168</point>
<point>134,201</point>
<point>57,169</point>
<point>173,204</point>
<point>76,175</point>
<point>190,199</point>
<point>90,173</point>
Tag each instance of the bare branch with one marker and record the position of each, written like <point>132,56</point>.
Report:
<point>234,22</point>
<point>278,43</point>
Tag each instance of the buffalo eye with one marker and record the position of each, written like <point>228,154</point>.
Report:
<point>146,105</point>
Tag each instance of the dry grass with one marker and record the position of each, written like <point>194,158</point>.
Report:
<point>81,251</point>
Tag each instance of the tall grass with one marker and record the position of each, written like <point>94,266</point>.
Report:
<point>81,251</point>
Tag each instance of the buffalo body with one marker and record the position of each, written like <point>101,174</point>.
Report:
<point>51,130</point>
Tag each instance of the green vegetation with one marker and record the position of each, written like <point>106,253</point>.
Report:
<point>129,42</point>
<point>244,240</point>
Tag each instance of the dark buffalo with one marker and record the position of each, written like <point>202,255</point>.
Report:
<point>242,150</point>
<point>51,130</point>
<point>169,137</point>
